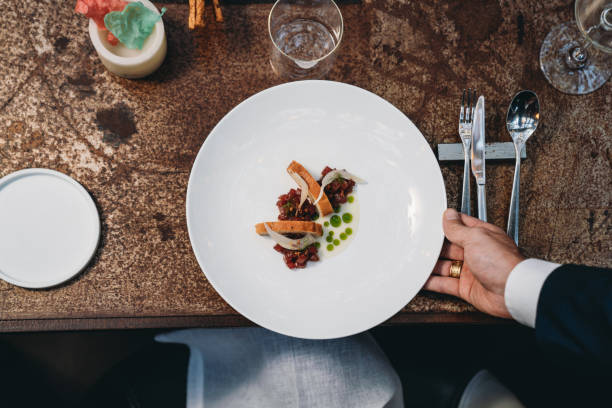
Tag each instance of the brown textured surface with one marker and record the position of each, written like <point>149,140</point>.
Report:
<point>132,143</point>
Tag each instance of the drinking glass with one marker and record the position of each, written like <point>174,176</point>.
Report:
<point>577,58</point>
<point>305,37</point>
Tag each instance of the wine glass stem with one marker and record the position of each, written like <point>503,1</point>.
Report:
<point>578,56</point>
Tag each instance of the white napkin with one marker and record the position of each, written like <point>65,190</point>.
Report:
<point>254,367</point>
<point>485,391</point>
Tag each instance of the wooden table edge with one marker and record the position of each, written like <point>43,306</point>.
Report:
<point>178,322</point>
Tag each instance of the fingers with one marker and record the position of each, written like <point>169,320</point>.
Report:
<point>454,228</point>
<point>440,284</point>
<point>451,251</point>
<point>470,221</point>
<point>475,222</point>
<point>457,226</point>
<point>442,268</point>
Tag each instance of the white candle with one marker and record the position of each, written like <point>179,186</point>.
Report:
<point>126,62</point>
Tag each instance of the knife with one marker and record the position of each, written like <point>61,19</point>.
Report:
<point>478,156</point>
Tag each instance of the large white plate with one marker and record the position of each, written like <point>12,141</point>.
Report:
<point>240,171</point>
<point>49,228</point>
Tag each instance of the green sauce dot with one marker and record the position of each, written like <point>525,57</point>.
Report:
<point>350,199</point>
<point>318,244</point>
<point>316,217</point>
<point>343,236</point>
<point>335,220</point>
<point>336,242</point>
<point>329,238</point>
<point>331,233</point>
<point>330,247</point>
<point>349,231</point>
<point>347,217</point>
<point>337,210</point>
<point>326,224</point>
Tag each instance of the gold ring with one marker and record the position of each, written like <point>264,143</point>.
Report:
<point>455,269</point>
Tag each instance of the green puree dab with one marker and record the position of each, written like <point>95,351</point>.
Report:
<point>335,220</point>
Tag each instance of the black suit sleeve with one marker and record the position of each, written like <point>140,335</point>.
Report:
<point>574,316</point>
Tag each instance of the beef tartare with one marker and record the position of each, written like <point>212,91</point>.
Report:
<point>289,207</point>
<point>338,190</point>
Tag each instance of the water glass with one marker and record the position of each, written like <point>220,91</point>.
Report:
<point>305,37</point>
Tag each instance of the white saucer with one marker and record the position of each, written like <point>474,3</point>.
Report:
<point>49,228</point>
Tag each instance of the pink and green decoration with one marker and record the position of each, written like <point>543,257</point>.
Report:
<point>128,23</point>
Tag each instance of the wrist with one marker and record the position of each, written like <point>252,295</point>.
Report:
<point>515,260</point>
<point>509,263</point>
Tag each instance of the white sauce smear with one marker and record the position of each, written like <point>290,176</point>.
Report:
<point>351,208</point>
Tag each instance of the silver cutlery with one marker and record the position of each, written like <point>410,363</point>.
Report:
<point>478,156</point>
<point>521,121</point>
<point>466,116</point>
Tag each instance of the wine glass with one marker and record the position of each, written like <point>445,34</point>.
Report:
<point>305,37</point>
<point>577,58</point>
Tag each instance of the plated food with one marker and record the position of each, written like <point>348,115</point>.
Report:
<point>396,226</point>
<point>311,215</point>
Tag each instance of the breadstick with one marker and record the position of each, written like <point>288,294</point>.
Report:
<point>199,17</point>
<point>218,15</point>
<point>192,14</point>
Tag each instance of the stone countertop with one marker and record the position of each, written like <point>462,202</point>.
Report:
<point>131,143</point>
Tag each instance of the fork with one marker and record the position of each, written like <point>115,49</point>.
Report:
<point>466,117</point>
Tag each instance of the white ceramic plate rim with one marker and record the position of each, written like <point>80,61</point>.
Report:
<point>93,212</point>
<point>217,287</point>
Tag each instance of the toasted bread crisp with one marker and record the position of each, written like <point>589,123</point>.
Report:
<point>314,189</point>
<point>290,227</point>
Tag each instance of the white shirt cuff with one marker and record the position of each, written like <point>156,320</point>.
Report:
<point>523,289</point>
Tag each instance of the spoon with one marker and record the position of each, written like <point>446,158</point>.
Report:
<point>522,120</point>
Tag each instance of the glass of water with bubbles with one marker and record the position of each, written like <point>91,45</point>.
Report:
<point>305,37</point>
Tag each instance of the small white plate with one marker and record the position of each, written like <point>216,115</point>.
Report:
<point>241,170</point>
<point>49,228</point>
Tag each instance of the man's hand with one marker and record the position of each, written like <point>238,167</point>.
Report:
<point>488,256</point>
